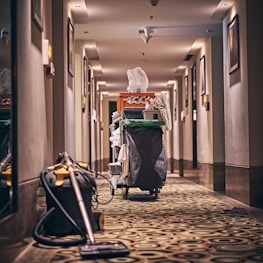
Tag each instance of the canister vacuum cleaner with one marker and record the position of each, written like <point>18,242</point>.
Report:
<point>70,171</point>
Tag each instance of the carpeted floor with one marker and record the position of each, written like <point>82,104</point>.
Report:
<point>187,223</point>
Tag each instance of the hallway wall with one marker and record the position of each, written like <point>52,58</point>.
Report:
<point>243,118</point>
<point>63,93</point>
<point>32,127</point>
<point>39,98</point>
<point>236,97</point>
<point>106,130</point>
<point>229,138</point>
<point>177,145</point>
<point>209,120</point>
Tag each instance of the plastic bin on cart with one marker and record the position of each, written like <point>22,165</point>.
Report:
<point>152,115</point>
<point>115,172</point>
<point>132,113</point>
<point>133,100</point>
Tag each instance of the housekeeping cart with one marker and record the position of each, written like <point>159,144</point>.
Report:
<point>142,160</point>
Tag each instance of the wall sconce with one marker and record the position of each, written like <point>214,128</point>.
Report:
<point>84,102</point>
<point>46,52</point>
<point>206,101</point>
<point>47,58</point>
<point>50,70</point>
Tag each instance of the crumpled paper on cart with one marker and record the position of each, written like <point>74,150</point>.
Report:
<point>138,80</point>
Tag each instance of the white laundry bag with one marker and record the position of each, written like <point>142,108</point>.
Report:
<point>5,80</point>
<point>138,80</point>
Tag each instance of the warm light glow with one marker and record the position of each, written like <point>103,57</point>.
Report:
<point>97,67</point>
<point>90,45</point>
<point>181,67</point>
<point>171,83</point>
<point>100,84</point>
<point>49,51</point>
<point>78,4</point>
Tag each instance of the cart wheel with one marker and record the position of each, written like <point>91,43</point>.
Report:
<point>111,189</point>
<point>124,192</point>
<point>156,193</point>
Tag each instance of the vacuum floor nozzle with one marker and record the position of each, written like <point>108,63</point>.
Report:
<point>103,250</point>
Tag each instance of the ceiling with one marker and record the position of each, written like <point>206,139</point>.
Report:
<point>111,30</point>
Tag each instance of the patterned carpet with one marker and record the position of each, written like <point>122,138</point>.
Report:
<point>186,224</point>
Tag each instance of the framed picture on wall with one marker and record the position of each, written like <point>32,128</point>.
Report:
<point>203,75</point>
<point>175,104</point>
<point>70,47</point>
<point>186,90</point>
<point>193,77</point>
<point>37,13</point>
<point>93,93</point>
<point>85,83</point>
<point>233,44</point>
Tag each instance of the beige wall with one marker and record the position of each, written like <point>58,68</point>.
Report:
<point>243,92</point>
<point>204,118</point>
<point>216,94</point>
<point>187,124</point>
<point>64,85</point>
<point>255,91</point>
<point>210,132</point>
<point>78,114</point>
<point>177,124</point>
<point>236,97</point>
<point>32,117</point>
<point>106,125</point>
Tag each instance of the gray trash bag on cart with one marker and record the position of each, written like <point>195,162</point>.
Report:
<point>147,155</point>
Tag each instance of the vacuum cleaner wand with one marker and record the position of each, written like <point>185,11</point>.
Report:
<point>93,249</point>
<point>79,198</point>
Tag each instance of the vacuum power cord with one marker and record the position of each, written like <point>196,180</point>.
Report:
<point>37,229</point>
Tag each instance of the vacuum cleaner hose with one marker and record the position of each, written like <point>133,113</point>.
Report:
<point>37,229</point>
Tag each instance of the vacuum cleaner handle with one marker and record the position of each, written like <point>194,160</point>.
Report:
<point>94,249</point>
<point>79,198</point>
